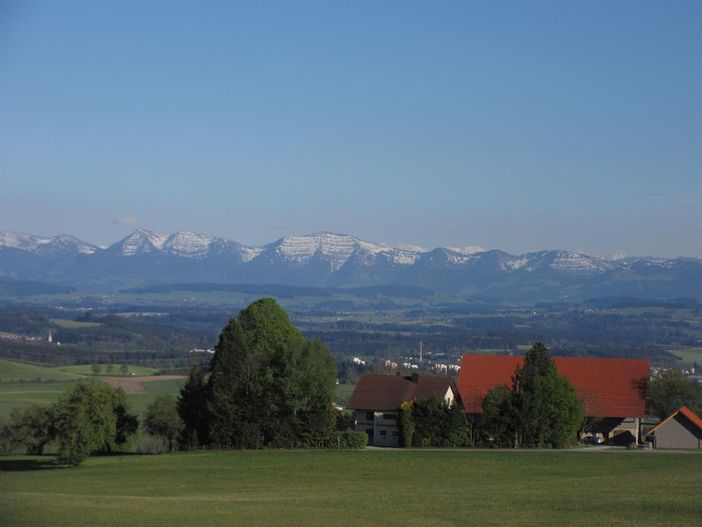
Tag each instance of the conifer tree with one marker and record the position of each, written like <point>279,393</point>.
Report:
<point>192,408</point>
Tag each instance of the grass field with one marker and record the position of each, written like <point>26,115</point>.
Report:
<point>689,355</point>
<point>74,324</point>
<point>24,394</point>
<point>11,371</point>
<point>86,369</point>
<point>350,488</point>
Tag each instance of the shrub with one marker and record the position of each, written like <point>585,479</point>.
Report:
<point>349,440</point>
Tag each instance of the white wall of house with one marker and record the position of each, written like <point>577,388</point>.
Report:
<point>449,397</point>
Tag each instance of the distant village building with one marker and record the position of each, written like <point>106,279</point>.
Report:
<point>376,401</point>
<point>613,391</point>
<point>682,429</point>
<point>440,367</point>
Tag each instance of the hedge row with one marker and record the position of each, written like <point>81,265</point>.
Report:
<point>346,440</point>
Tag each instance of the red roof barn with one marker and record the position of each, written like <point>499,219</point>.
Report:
<point>607,387</point>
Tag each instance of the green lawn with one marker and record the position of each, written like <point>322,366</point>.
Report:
<point>351,488</point>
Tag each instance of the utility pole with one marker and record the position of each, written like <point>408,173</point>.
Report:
<point>420,351</point>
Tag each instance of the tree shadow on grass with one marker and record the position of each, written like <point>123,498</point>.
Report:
<point>22,465</point>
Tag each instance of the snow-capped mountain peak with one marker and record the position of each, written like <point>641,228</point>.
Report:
<point>21,240</point>
<point>336,248</point>
<point>60,244</point>
<point>142,241</point>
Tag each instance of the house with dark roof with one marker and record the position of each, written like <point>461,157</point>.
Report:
<point>682,429</point>
<point>376,402</point>
<point>613,391</point>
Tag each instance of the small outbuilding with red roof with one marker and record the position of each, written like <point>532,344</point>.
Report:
<point>682,429</point>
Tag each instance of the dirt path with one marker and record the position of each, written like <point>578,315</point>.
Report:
<point>135,384</point>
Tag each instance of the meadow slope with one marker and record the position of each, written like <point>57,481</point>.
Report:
<point>350,488</point>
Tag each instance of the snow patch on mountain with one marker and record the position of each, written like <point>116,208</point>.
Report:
<point>188,244</point>
<point>515,263</point>
<point>568,261</point>
<point>249,253</point>
<point>467,251</point>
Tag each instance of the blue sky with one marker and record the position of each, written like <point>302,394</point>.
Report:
<point>513,125</point>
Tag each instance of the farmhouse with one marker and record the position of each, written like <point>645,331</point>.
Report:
<point>377,399</point>
<point>613,391</point>
<point>682,429</point>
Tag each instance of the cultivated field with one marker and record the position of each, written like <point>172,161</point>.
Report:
<point>22,385</point>
<point>349,488</point>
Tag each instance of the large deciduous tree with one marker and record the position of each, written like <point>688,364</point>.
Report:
<point>268,385</point>
<point>92,418</point>
<point>670,390</point>
<point>31,427</point>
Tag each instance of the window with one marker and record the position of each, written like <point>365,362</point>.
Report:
<point>369,416</point>
<point>395,433</point>
<point>389,417</point>
<point>383,433</point>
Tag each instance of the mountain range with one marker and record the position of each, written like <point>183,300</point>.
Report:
<point>147,258</point>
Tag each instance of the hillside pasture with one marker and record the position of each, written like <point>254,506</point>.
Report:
<point>24,394</point>
<point>689,355</point>
<point>357,488</point>
<point>86,369</point>
<point>11,371</point>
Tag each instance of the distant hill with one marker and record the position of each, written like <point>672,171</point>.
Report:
<point>9,286</point>
<point>328,260</point>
